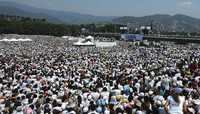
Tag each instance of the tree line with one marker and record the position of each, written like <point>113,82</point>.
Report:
<point>34,26</point>
<point>20,18</point>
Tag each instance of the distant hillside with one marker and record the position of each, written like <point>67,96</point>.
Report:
<point>169,23</point>
<point>15,10</point>
<point>12,8</point>
<point>176,23</point>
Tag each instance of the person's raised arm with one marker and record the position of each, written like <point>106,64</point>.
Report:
<point>166,106</point>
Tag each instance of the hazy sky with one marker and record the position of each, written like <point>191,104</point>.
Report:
<point>120,7</point>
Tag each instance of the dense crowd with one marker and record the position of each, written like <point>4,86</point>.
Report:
<point>50,76</point>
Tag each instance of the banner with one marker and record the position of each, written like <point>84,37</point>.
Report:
<point>132,37</point>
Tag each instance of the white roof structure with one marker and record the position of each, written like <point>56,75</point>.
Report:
<point>65,37</point>
<point>89,37</point>
<point>5,40</point>
<point>15,40</point>
<point>105,44</point>
<point>88,41</point>
<point>84,44</point>
<point>142,27</point>
<point>148,28</point>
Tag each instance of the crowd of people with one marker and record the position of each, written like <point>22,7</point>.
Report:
<point>50,76</point>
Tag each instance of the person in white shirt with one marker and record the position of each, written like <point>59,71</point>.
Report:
<point>175,103</point>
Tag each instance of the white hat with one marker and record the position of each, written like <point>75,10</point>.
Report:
<point>141,94</point>
<point>85,109</point>
<point>197,102</point>
<point>19,108</point>
<point>158,102</point>
<point>59,101</point>
<point>58,109</point>
<point>54,96</point>
<point>89,97</point>
<point>150,92</point>
<point>139,112</point>
<point>25,102</point>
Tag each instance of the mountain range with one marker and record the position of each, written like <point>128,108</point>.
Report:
<point>175,23</point>
<point>159,22</point>
<point>12,8</point>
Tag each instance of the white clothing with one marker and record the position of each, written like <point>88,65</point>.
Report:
<point>174,107</point>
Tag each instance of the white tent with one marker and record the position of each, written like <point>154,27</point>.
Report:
<point>5,40</point>
<point>65,37</point>
<point>15,40</point>
<point>88,41</point>
<point>23,40</point>
<point>105,44</point>
<point>90,38</point>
